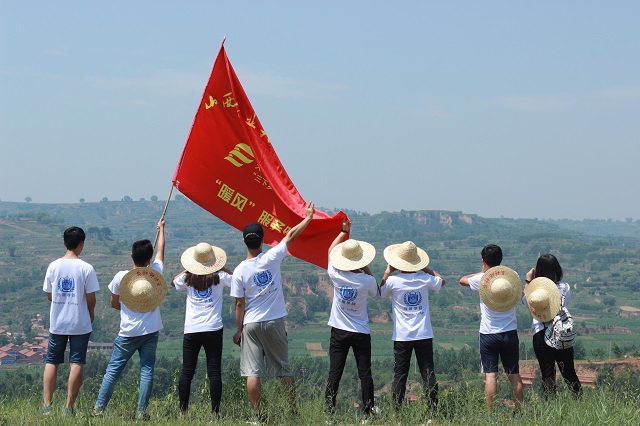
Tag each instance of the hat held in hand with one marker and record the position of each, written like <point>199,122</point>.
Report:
<point>500,288</point>
<point>203,259</point>
<point>543,299</point>
<point>406,257</point>
<point>143,289</point>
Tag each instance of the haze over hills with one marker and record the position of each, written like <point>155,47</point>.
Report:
<point>601,260</point>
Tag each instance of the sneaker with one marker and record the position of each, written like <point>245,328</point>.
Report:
<point>69,411</point>
<point>46,410</point>
<point>97,412</point>
<point>143,415</point>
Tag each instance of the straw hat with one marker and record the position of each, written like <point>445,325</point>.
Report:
<point>143,289</point>
<point>543,299</point>
<point>406,257</point>
<point>500,288</point>
<point>203,259</point>
<point>351,255</point>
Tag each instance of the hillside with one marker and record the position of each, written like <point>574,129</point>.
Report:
<point>601,260</point>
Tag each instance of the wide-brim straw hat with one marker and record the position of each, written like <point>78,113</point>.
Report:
<point>406,257</point>
<point>143,289</point>
<point>500,288</point>
<point>351,254</point>
<point>203,259</point>
<point>543,299</point>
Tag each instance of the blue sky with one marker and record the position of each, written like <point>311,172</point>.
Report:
<point>498,108</point>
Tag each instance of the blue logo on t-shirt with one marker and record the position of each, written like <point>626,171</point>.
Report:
<point>66,284</point>
<point>202,294</point>
<point>348,293</point>
<point>412,298</point>
<point>263,278</point>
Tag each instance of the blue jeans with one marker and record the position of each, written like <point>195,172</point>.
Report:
<point>123,349</point>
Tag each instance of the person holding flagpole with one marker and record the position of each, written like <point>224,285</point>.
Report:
<point>260,310</point>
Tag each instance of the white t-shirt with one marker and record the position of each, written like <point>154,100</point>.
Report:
<point>493,322</point>
<point>203,307</point>
<point>259,281</point>
<point>563,288</point>
<point>350,293</point>
<point>133,323</point>
<point>69,281</point>
<point>410,294</point>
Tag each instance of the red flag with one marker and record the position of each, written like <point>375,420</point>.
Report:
<point>229,168</point>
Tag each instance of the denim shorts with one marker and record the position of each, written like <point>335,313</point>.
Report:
<point>503,346</point>
<point>77,348</point>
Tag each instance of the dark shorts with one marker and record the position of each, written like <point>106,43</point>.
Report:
<point>500,346</point>
<point>77,348</point>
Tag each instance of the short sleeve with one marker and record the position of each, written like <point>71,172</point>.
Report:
<point>92,285</point>
<point>179,282</point>
<point>225,279</point>
<point>46,287</point>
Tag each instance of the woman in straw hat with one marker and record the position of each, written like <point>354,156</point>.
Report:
<point>545,294</point>
<point>204,279</point>
<point>412,331</point>
<point>352,285</point>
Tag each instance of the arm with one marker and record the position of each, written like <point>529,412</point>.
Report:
<point>465,280</point>
<point>387,272</point>
<point>115,301</point>
<point>50,297</point>
<point>343,235</point>
<point>434,273</point>
<point>177,276</point>
<point>91,304</point>
<point>239,319</point>
<point>161,241</point>
<point>228,271</point>
<point>297,230</point>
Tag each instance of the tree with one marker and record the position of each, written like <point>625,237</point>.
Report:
<point>81,200</point>
<point>179,197</point>
<point>127,198</point>
<point>105,199</point>
<point>12,249</point>
<point>27,199</point>
<point>154,198</point>
<point>106,233</point>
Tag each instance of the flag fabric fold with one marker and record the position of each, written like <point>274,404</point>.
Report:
<point>229,167</point>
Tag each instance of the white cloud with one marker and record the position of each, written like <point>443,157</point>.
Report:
<point>557,101</point>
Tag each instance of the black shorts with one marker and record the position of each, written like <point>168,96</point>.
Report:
<point>504,346</point>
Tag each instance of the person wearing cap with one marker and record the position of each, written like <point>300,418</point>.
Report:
<point>412,331</point>
<point>500,290</point>
<point>353,284</point>
<point>545,293</point>
<point>204,279</point>
<point>260,310</point>
<point>137,294</point>
<point>70,284</point>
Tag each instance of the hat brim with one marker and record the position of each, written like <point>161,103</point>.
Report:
<point>149,302</point>
<point>190,264</point>
<point>342,263</point>
<point>555,302</point>
<point>392,258</point>
<point>488,297</point>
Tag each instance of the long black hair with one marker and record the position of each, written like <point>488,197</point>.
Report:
<point>201,282</point>
<point>549,267</point>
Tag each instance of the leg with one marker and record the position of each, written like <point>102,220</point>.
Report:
<point>289,385</point>
<point>147,351</point>
<point>424,356</point>
<point>516,390</point>
<point>362,353</point>
<point>213,349</point>
<point>49,382</point>
<point>276,353</point>
<point>123,349</point>
<point>546,361</point>
<point>338,351</point>
<point>401,363</point>
<point>75,381</point>
<point>490,389</point>
<point>190,350</point>
<point>254,389</point>
<point>510,355</point>
<point>567,368</point>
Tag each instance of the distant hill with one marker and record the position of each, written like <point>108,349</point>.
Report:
<point>601,260</point>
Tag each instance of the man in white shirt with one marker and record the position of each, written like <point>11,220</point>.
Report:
<point>498,335</point>
<point>352,283</point>
<point>70,284</point>
<point>139,331</point>
<point>260,310</point>
<point>412,330</point>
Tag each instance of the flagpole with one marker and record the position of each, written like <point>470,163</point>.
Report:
<point>162,217</point>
